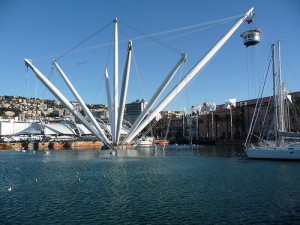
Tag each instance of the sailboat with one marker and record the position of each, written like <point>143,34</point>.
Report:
<point>282,145</point>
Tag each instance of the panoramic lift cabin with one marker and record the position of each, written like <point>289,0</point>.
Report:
<point>251,37</point>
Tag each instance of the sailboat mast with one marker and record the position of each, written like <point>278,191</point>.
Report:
<point>274,97</point>
<point>281,92</point>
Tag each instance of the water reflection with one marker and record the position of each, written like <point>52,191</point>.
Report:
<point>178,150</point>
<point>177,185</point>
<point>230,151</point>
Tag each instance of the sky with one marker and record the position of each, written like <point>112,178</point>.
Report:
<point>43,30</point>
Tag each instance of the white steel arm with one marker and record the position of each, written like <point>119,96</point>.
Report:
<point>116,82</point>
<point>155,96</point>
<point>108,96</point>
<point>82,103</point>
<point>124,90</point>
<point>63,99</point>
<point>189,76</point>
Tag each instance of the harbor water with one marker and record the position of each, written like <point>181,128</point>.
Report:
<point>180,185</point>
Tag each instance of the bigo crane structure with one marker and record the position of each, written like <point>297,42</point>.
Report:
<point>116,105</point>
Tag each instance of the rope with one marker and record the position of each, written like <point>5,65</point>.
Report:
<point>98,90</point>
<point>80,43</point>
<point>50,76</point>
<point>109,50</point>
<point>151,36</point>
<point>258,103</point>
<point>138,75</point>
<point>162,42</point>
<point>27,83</point>
<point>73,50</point>
<point>183,28</point>
<point>266,119</point>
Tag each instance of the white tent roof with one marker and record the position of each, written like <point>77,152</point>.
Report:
<point>34,128</point>
<point>83,130</point>
<point>47,129</point>
<point>57,128</point>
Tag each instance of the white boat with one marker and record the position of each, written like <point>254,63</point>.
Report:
<point>283,144</point>
<point>289,151</point>
<point>146,142</point>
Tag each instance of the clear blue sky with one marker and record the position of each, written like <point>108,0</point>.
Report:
<point>43,29</point>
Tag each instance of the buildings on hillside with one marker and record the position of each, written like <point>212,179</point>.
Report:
<point>173,125</point>
<point>26,109</point>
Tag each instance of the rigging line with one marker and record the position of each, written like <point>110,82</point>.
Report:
<point>138,75</point>
<point>252,69</point>
<point>73,51</point>
<point>150,126</point>
<point>98,90</point>
<point>258,101</point>
<point>248,73</point>
<point>27,82</point>
<point>109,50</point>
<point>179,77</point>
<point>258,60</point>
<point>80,43</point>
<point>183,28</point>
<point>153,39</point>
<point>291,78</point>
<point>265,76</point>
<point>51,74</point>
<point>180,35</point>
<point>265,120</point>
<point>35,92</point>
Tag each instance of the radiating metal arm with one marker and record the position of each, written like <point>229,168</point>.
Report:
<point>155,96</point>
<point>82,103</point>
<point>63,99</point>
<point>124,90</point>
<point>108,96</point>
<point>189,76</point>
<point>116,82</point>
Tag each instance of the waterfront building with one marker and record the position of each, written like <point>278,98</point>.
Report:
<point>134,109</point>
<point>177,125</point>
<point>194,127</point>
<point>241,116</point>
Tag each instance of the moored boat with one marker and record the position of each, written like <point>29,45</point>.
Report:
<point>282,144</point>
<point>145,142</point>
<point>163,142</point>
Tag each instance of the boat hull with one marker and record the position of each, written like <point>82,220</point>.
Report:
<point>163,142</point>
<point>285,153</point>
<point>146,142</point>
